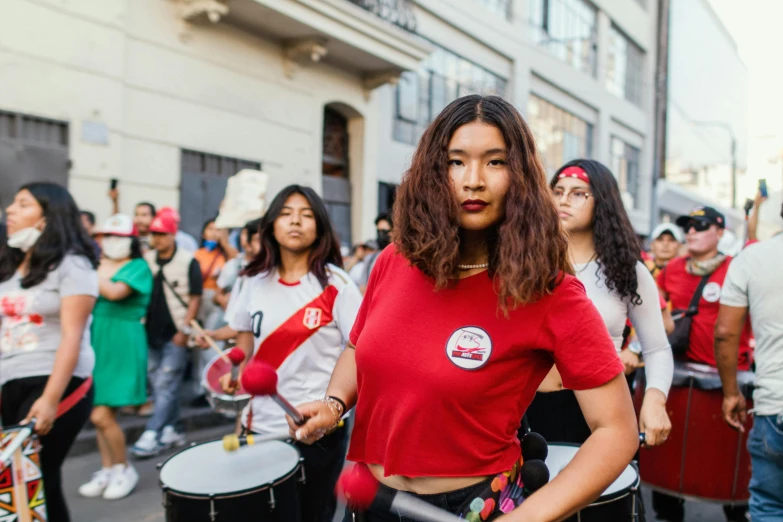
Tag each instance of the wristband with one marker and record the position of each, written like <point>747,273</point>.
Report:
<point>339,400</point>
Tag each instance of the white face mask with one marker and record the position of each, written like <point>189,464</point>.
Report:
<point>116,247</point>
<point>24,239</point>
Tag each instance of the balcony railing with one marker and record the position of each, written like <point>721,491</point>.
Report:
<point>398,12</point>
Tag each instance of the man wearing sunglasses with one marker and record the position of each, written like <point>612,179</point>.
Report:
<point>679,281</point>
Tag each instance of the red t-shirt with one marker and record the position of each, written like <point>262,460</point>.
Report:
<point>680,286</point>
<point>444,378</point>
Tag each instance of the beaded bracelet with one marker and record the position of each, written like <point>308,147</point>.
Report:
<point>336,409</point>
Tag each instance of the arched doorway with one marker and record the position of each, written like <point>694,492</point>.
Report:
<point>338,143</point>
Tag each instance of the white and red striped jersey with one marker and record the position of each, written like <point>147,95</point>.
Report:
<point>300,329</point>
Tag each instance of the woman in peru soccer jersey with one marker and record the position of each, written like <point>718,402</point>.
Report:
<point>463,317</point>
<point>295,311</point>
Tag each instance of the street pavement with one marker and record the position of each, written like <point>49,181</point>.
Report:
<point>145,503</point>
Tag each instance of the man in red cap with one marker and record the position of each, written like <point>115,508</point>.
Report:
<point>175,300</point>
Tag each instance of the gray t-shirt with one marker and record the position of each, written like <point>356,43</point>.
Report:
<point>30,321</point>
<point>755,280</point>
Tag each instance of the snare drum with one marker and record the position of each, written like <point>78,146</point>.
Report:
<point>220,401</point>
<point>623,491</point>
<point>204,483</point>
<point>21,482</point>
<point>704,458</point>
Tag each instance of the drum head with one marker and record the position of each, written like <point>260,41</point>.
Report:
<point>207,469</point>
<point>560,455</point>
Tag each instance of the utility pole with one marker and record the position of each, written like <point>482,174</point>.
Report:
<point>661,104</point>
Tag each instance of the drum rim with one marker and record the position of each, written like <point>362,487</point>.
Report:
<point>219,395</point>
<point>233,494</point>
<point>613,496</point>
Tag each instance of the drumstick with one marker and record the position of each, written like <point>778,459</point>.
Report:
<point>19,438</point>
<point>210,340</point>
<point>361,490</point>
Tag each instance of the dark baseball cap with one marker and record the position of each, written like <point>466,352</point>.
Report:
<point>703,214</point>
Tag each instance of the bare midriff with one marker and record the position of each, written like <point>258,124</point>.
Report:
<point>552,382</point>
<point>423,485</point>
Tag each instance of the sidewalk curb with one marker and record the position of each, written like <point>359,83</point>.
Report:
<point>192,419</point>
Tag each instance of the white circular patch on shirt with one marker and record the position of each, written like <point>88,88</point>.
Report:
<point>711,292</point>
<point>469,347</point>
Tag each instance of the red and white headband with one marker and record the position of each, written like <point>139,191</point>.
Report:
<point>574,172</point>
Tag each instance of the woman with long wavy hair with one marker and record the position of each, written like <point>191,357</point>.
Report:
<point>294,312</point>
<point>48,287</point>
<point>464,315</point>
<point>605,254</point>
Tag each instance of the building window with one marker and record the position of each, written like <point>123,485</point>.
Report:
<point>567,29</point>
<point>501,7</point>
<point>560,135</point>
<point>442,78</point>
<point>625,67</point>
<point>625,167</point>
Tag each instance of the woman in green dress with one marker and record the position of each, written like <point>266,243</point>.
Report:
<point>120,344</point>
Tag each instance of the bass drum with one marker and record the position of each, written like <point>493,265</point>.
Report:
<point>704,458</point>
<point>204,483</point>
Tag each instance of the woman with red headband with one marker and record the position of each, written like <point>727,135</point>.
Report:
<point>463,317</point>
<point>604,252</point>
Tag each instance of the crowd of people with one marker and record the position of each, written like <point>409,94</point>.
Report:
<point>539,290</point>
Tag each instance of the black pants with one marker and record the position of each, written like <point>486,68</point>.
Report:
<point>18,397</point>
<point>323,462</point>
<point>558,418</point>
<point>452,502</point>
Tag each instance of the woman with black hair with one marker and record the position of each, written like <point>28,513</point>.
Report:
<point>48,286</point>
<point>605,254</point>
<point>295,311</point>
<point>120,343</point>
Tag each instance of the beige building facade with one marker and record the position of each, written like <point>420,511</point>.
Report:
<point>171,97</point>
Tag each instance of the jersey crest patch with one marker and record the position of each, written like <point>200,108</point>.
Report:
<point>312,318</point>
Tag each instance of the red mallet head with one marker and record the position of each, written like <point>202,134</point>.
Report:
<point>236,355</point>
<point>357,486</point>
<point>259,379</point>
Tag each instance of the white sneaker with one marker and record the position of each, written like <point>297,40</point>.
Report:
<point>169,438</point>
<point>147,445</point>
<point>97,484</point>
<point>123,479</point>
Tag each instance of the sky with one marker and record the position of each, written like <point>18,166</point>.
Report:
<point>755,26</point>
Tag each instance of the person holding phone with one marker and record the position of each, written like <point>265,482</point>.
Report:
<point>753,217</point>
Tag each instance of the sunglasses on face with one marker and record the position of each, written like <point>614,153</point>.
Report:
<point>698,226</point>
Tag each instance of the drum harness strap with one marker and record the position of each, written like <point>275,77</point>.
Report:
<point>73,399</point>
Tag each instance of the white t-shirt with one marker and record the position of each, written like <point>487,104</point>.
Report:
<point>301,329</point>
<point>30,326</point>
<point>646,319</point>
<point>755,280</point>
